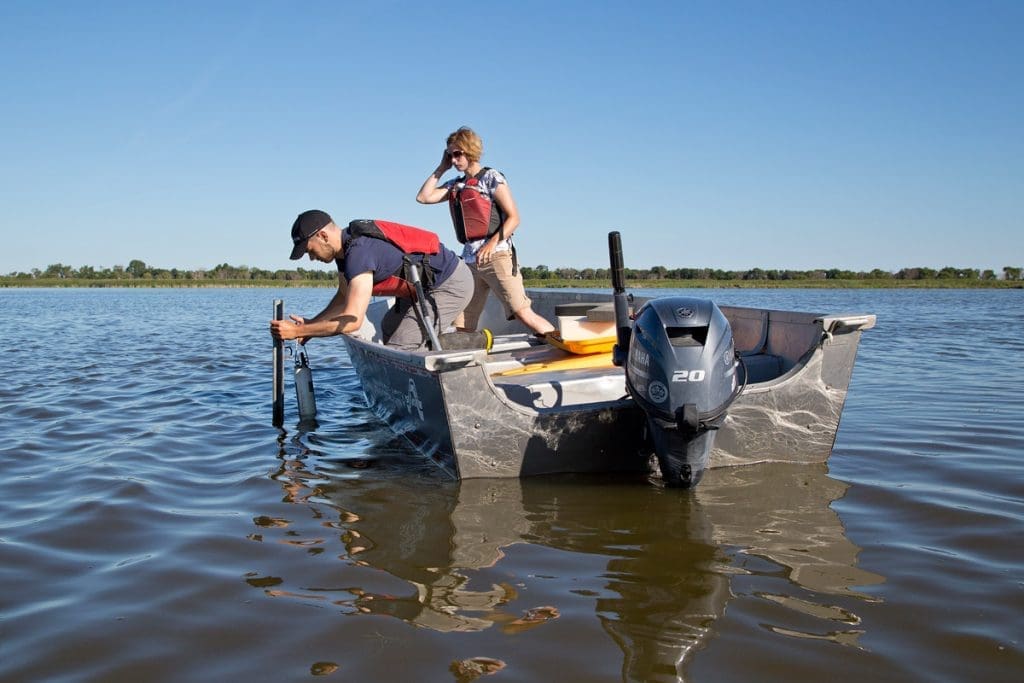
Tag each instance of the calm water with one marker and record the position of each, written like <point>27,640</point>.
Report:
<point>154,526</point>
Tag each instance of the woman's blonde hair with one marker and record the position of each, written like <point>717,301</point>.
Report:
<point>466,139</point>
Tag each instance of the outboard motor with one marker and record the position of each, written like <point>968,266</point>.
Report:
<point>681,369</point>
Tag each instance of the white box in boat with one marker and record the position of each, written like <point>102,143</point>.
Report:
<point>578,322</point>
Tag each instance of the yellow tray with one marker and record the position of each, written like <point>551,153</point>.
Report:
<point>582,346</point>
<point>592,360</point>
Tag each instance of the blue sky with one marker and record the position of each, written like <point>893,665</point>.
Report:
<point>710,134</point>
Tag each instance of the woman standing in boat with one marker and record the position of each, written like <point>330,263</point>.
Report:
<point>485,216</point>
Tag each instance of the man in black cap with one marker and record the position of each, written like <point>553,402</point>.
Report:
<point>374,259</point>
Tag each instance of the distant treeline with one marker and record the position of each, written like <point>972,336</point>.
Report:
<point>138,270</point>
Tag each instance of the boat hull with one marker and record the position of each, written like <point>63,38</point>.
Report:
<point>458,419</point>
<point>456,408</point>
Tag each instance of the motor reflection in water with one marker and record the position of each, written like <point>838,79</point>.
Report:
<point>671,554</point>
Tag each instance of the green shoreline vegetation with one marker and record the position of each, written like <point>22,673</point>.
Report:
<point>138,274</point>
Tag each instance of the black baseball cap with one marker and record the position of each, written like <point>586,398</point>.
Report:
<point>305,226</point>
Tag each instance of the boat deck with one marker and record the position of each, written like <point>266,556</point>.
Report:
<point>539,375</point>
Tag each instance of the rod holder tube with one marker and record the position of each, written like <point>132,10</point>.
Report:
<point>616,263</point>
<point>623,328</point>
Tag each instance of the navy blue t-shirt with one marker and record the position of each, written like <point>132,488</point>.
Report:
<point>383,259</point>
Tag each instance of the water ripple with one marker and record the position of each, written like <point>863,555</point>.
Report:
<point>154,525</point>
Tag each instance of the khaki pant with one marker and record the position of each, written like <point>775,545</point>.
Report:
<point>495,276</point>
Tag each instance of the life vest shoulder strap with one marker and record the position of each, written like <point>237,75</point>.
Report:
<point>476,178</point>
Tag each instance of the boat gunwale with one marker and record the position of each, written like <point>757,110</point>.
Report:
<point>442,362</point>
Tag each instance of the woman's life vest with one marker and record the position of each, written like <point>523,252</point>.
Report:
<point>416,246</point>
<point>475,214</point>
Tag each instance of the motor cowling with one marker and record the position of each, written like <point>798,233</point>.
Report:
<point>681,370</point>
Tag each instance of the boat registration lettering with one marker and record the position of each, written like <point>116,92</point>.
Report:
<point>688,376</point>
<point>412,400</point>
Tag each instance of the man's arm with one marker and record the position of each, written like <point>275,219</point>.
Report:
<point>336,305</point>
<point>343,315</point>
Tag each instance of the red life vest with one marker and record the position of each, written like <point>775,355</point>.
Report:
<point>412,242</point>
<point>474,213</point>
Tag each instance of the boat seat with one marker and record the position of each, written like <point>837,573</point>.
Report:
<point>762,367</point>
<point>559,389</point>
<point>513,342</point>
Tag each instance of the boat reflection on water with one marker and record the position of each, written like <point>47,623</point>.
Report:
<point>668,556</point>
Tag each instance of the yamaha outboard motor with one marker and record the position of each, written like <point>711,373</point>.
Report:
<point>680,369</point>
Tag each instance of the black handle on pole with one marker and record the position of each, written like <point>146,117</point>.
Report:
<point>623,328</point>
<point>615,257</point>
<point>278,368</point>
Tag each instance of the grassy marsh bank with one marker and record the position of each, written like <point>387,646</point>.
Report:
<point>882,283</point>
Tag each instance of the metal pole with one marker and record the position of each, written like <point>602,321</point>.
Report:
<point>421,297</point>
<point>278,368</point>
